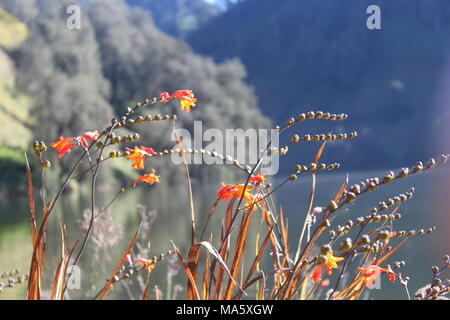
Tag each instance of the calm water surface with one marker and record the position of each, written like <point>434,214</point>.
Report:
<point>172,223</point>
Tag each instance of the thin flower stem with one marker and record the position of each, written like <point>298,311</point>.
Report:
<point>101,212</point>
<point>91,222</point>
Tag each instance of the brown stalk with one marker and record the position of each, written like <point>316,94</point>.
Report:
<point>255,263</point>
<point>192,293</point>
<point>240,245</point>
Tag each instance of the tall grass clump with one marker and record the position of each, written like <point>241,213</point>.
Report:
<point>329,261</point>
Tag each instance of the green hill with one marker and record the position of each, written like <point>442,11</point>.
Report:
<point>14,106</point>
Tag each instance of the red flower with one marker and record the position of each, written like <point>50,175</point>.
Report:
<point>317,274</point>
<point>149,264</point>
<point>90,135</point>
<point>258,179</point>
<point>63,145</point>
<point>165,97</point>
<point>150,178</point>
<point>373,272</point>
<point>138,155</point>
<point>186,98</point>
<point>226,192</point>
<point>235,190</point>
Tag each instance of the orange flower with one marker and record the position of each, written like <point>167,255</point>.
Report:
<point>331,262</point>
<point>226,192</point>
<point>150,178</point>
<point>165,97</point>
<point>373,272</point>
<point>138,155</point>
<point>90,135</point>
<point>147,263</point>
<point>258,179</point>
<point>63,145</point>
<point>186,98</point>
<point>235,190</point>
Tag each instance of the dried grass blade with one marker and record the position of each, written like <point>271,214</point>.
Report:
<point>193,293</point>
<point>256,261</point>
<point>31,200</point>
<point>240,244</point>
<point>263,287</point>
<point>319,153</point>
<point>205,281</point>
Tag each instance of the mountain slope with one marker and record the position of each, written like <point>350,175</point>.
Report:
<point>318,54</point>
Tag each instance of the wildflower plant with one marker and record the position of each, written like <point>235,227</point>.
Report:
<point>345,259</point>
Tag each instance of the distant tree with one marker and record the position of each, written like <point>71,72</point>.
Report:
<point>60,69</point>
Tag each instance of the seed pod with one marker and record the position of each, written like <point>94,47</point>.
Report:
<point>325,249</point>
<point>332,206</point>
<point>431,164</point>
<point>310,115</point>
<point>365,239</point>
<point>46,164</point>
<point>435,269</point>
<point>346,244</point>
<point>350,196</point>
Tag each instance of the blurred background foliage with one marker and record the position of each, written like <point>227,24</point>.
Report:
<point>77,80</point>
<point>242,58</point>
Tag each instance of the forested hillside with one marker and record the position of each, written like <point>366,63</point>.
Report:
<point>319,54</point>
<point>79,78</point>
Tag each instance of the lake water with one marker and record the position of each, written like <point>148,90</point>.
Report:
<point>172,223</point>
